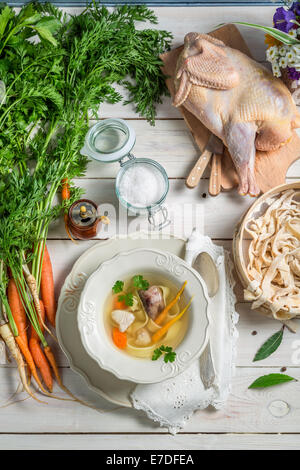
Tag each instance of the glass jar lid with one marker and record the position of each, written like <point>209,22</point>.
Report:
<point>109,140</point>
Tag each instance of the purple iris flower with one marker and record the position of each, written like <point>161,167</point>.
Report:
<point>293,74</point>
<point>282,19</point>
<point>296,8</point>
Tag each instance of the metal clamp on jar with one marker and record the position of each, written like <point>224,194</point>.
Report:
<point>142,184</point>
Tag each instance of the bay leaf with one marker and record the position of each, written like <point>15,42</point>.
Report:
<point>270,380</point>
<point>269,346</point>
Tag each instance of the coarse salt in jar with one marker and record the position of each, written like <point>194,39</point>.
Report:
<point>142,184</point>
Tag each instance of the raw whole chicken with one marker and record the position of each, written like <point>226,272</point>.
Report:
<point>237,99</point>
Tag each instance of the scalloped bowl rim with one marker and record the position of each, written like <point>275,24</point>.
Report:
<point>161,369</point>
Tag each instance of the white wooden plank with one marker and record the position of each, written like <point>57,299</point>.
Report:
<point>181,20</point>
<point>254,329</point>
<point>169,142</point>
<point>144,442</point>
<point>246,410</point>
<point>216,216</point>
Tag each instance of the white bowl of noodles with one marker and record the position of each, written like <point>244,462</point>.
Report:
<point>165,274</point>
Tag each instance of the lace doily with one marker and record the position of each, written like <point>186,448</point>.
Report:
<point>172,402</point>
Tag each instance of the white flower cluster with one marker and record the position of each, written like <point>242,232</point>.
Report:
<point>284,56</point>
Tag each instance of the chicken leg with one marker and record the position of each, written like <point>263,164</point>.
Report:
<point>240,140</point>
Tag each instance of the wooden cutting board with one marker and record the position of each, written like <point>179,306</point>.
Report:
<point>270,167</point>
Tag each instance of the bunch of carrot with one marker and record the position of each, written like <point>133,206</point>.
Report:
<point>28,327</point>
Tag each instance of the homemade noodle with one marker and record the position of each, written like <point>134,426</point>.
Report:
<point>274,257</point>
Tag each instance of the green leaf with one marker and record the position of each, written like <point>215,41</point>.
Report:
<point>269,346</point>
<point>275,33</point>
<point>127,298</point>
<point>156,354</point>
<point>169,354</point>
<point>45,28</point>
<point>118,287</point>
<point>270,380</point>
<point>5,16</point>
<point>49,22</point>
<point>45,33</point>
<point>31,20</point>
<point>140,283</point>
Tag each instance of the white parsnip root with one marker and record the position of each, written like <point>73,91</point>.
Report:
<point>31,282</point>
<point>8,338</point>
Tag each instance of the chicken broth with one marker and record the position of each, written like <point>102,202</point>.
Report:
<point>133,328</point>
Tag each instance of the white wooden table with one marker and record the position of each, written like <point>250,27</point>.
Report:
<point>246,422</point>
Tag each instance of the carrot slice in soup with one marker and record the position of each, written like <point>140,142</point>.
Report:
<point>119,338</point>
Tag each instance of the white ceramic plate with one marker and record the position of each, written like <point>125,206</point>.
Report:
<point>99,381</point>
<point>91,320</point>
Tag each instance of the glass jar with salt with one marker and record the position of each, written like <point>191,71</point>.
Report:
<point>142,184</point>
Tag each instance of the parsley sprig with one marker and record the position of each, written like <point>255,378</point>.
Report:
<point>169,354</point>
<point>118,287</point>
<point>127,298</point>
<point>140,283</point>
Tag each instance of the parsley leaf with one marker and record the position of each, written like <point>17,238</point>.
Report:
<point>169,354</point>
<point>118,287</point>
<point>156,354</point>
<point>128,299</point>
<point>140,283</point>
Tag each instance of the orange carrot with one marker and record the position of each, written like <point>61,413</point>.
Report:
<point>29,359</point>
<point>163,330</point>
<point>17,310</point>
<point>65,192</point>
<point>41,362</point>
<point>47,288</point>
<point>119,304</point>
<point>65,195</point>
<point>38,355</point>
<point>19,315</point>
<point>51,359</point>
<point>163,314</point>
<point>50,356</point>
<point>119,338</point>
